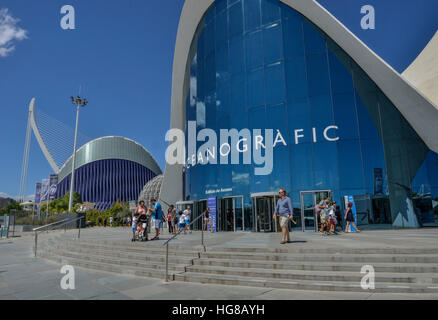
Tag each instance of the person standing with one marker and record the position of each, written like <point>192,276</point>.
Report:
<point>157,214</point>
<point>285,212</point>
<point>169,219</point>
<point>187,214</point>
<point>322,209</point>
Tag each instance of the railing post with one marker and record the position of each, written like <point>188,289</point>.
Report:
<point>79,234</point>
<point>167,263</point>
<point>202,237</point>
<point>36,240</point>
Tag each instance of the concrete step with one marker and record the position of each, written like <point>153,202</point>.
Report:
<point>150,257</point>
<point>302,284</point>
<point>320,266</point>
<point>138,251</point>
<point>365,258</point>
<point>119,269</point>
<point>332,250</point>
<point>129,263</point>
<point>147,246</point>
<point>336,276</point>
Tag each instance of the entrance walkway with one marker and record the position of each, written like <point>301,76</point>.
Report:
<point>25,277</point>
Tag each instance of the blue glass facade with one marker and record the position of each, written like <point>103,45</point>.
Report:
<point>259,64</point>
<point>104,182</point>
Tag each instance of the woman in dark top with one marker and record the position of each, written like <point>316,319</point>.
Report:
<point>207,220</point>
<point>349,217</point>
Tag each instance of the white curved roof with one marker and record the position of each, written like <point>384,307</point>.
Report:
<point>421,114</point>
<point>110,147</point>
<point>423,72</point>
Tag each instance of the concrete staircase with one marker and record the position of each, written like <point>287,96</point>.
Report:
<point>397,270</point>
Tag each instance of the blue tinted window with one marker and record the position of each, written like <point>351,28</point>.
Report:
<point>345,116</point>
<point>299,119</point>
<point>221,30</point>
<point>272,43</point>
<point>210,73</point>
<point>235,19</point>
<point>321,112</point>
<point>317,74</point>
<point>350,165</point>
<point>296,79</point>
<point>222,63</point>
<point>236,55</point>
<point>270,11</point>
<point>223,98</point>
<point>238,92</point>
<point>325,166</point>
<point>253,50</point>
<point>301,166</point>
<point>314,43</point>
<point>367,125</point>
<point>255,88</point>
<point>341,80</point>
<point>293,39</point>
<point>209,39</point>
<point>275,84</point>
<point>252,14</point>
<point>373,157</point>
<point>220,5</point>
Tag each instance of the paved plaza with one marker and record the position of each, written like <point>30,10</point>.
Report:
<point>24,277</point>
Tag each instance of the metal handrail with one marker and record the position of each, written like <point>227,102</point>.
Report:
<point>166,279</point>
<point>61,223</point>
<point>50,224</point>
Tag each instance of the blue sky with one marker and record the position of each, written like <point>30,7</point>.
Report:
<point>122,52</point>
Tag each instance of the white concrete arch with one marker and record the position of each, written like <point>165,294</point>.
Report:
<point>39,138</point>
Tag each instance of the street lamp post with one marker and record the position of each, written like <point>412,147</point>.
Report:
<point>78,102</point>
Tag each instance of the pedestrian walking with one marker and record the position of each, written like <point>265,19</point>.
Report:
<point>169,218</point>
<point>284,211</point>
<point>349,217</point>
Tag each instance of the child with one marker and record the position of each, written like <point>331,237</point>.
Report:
<point>134,225</point>
<point>182,222</point>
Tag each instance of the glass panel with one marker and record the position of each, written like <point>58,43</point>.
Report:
<point>255,88</point>
<point>317,74</point>
<point>235,19</point>
<point>270,11</point>
<point>275,85</point>
<point>253,50</point>
<point>252,14</point>
<point>236,55</point>
<point>308,206</point>
<point>296,78</point>
<point>238,212</point>
<point>272,43</point>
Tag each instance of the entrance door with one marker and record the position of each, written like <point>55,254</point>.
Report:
<point>264,209</point>
<point>230,217</point>
<point>309,199</point>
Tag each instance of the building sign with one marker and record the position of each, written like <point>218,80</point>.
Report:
<point>218,190</point>
<point>53,186</point>
<point>212,205</point>
<point>348,199</point>
<point>44,189</point>
<point>378,181</point>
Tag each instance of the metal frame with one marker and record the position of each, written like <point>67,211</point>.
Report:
<point>254,197</point>
<point>313,193</point>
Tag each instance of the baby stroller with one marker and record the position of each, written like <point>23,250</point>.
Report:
<point>142,228</point>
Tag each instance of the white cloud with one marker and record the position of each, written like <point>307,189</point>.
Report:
<point>9,32</point>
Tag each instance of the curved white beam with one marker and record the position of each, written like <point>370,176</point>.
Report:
<point>421,114</point>
<point>39,138</point>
